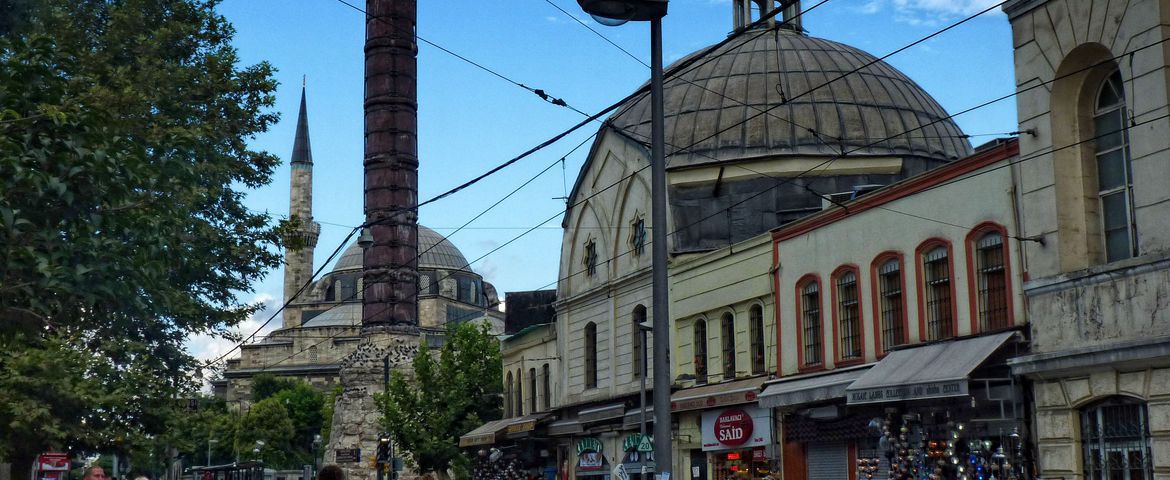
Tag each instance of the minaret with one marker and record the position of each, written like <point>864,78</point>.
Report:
<point>299,244</point>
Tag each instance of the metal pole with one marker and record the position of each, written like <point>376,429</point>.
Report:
<point>642,378</point>
<point>662,454</point>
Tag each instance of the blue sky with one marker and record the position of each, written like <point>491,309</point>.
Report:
<point>470,120</point>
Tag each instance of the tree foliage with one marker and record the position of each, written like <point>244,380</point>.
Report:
<point>265,385</point>
<point>123,129</point>
<point>267,421</point>
<point>450,394</point>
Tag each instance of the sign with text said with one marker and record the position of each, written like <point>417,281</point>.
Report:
<point>918,391</point>
<point>735,428</point>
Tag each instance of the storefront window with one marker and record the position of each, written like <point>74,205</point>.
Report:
<point>741,464</point>
<point>1116,439</point>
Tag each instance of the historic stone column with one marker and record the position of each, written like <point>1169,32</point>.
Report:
<point>390,266</point>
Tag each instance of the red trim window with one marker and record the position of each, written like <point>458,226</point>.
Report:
<point>889,283</point>
<point>989,282</point>
<point>809,330</point>
<point>848,338</point>
<point>937,297</point>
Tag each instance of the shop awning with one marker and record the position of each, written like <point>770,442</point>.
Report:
<point>565,427</point>
<point>717,395</point>
<point>804,389</point>
<point>634,417</point>
<point>599,414</point>
<point>485,434</point>
<point>932,371</point>
<point>522,426</point>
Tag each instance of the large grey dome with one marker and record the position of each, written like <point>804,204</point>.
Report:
<point>436,251</point>
<point>876,102</point>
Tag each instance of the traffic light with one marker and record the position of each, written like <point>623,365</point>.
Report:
<point>383,452</point>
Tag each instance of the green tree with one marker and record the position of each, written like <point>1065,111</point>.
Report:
<point>267,421</point>
<point>450,394</point>
<point>327,406</point>
<point>304,409</point>
<point>123,149</point>
<point>265,385</point>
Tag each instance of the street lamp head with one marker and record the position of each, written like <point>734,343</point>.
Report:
<point>621,11</point>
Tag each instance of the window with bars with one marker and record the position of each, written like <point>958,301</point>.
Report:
<point>891,304</point>
<point>1114,170</point>
<point>937,287</point>
<point>700,346</point>
<point>547,390</point>
<point>518,401</point>
<point>727,328</point>
<point>810,318</point>
<point>508,388</point>
<point>848,316</point>
<point>637,319</point>
<point>313,354</point>
<point>756,330</point>
<point>532,390</point>
<point>991,279</point>
<point>591,355</point>
<point>1115,437</point>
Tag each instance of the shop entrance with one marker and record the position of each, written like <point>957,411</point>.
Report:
<point>743,464</point>
<point>698,465</point>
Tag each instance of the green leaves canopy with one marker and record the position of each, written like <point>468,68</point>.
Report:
<point>123,129</point>
<point>449,395</point>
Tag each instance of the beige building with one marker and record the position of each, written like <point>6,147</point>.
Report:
<point>321,324</point>
<point>1094,184</point>
<point>896,311</point>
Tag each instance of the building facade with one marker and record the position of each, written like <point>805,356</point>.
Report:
<point>896,312</point>
<point>321,322</point>
<point>1093,84</point>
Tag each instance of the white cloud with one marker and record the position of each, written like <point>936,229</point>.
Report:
<point>930,13</point>
<point>205,347</point>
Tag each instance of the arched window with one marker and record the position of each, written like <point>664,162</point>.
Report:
<point>636,321</point>
<point>938,308</point>
<point>991,282</point>
<point>518,401</point>
<point>532,390</point>
<point>591,355</point>
<point>508,387</point>
<point>810,323</point>
<point>1114,170</point>
<point>756,330</point>
<point>1115,436</point>
<point>891,303</point>
<point>313,354</point>
<point>547,390</point>
<point>848,316</point>
<point>727,334</point>
<point>700,346</point>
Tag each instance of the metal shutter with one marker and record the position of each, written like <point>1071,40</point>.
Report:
<point>883,470</point>
<point>828,461</point>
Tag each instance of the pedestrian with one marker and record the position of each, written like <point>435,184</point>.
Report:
<point>331,472</point>
<point>95,472</point>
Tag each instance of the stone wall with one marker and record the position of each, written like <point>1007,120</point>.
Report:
<point>1058,420</point>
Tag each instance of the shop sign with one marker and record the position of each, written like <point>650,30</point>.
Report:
<point>521,427</point>
<point>589,457</point>
<point>736,428</point>
<point>954,388</point>
<point>347,455</point>
<point>712,401</point>
<point>638,442</point>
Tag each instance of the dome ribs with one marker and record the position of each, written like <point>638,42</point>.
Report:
<point>726,107</point>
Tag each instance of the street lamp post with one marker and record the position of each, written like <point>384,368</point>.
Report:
<point>617,11</point>
<point>209,442</point>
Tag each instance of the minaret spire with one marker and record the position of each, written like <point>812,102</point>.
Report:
<point>299,243</point>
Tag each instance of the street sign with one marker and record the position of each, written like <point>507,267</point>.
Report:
<point>347,455</point>
<point>646,445</point>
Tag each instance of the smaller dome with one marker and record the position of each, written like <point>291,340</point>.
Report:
<point>437,252</point>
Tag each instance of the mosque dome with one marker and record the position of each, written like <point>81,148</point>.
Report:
<point>436,251</point>
<point>714,106</point>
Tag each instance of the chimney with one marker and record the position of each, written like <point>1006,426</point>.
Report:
<point>390,267</point>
